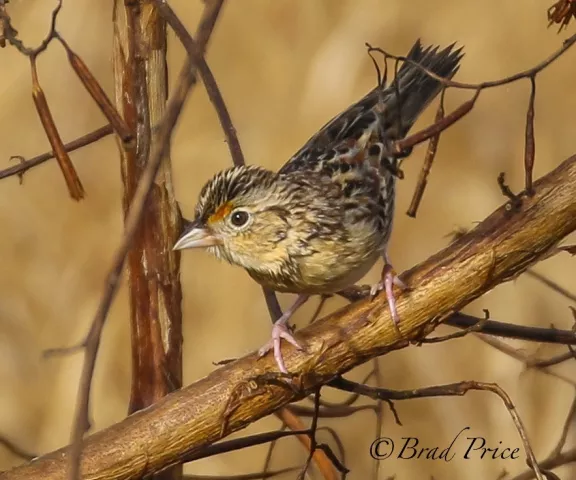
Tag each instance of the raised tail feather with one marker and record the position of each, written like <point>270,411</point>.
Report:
<point>391,109</point>
<point>413,89</point>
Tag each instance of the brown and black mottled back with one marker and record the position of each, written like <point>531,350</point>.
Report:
<point>350,148</point>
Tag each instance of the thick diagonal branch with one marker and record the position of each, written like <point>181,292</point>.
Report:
<point>180,425</point>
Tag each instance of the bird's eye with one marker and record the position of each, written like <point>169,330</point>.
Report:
<point>239,218</point>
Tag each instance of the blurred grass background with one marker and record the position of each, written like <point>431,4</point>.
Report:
<point>284,67</point>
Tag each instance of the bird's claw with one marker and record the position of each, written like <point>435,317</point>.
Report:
<point>389,279</point>
<point>279,331</point>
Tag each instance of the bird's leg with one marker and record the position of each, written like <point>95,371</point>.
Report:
<point>388,280</point>
<point>281,330</point>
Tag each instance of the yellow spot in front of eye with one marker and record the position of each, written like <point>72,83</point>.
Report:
<point>220,213</point>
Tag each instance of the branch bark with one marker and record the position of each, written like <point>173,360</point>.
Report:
<point>141,78</point>
<point>181,424</point>
<point>154,273</point>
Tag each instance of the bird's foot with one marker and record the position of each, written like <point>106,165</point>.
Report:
<point>388,280</point>
<point>280,331</point>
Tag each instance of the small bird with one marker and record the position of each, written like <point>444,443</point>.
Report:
<point>322,221</point>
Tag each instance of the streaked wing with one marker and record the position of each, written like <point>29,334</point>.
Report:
<point>384,115</point>
<point>342,139</point>
<point>350,148</point>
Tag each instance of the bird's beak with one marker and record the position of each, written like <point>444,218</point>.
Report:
<point>195,236</point>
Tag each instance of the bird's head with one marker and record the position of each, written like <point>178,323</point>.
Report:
<point>241,216</point>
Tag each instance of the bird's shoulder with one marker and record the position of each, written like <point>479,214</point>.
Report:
<point>347,150</point>
<point>339,141</point>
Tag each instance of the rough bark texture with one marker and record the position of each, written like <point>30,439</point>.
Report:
<point>153,268</point>
<point>501,247</point>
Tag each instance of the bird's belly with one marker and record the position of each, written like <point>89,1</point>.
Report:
<point>320,275</point>
<point>352,277</point>
<point>315,277</point>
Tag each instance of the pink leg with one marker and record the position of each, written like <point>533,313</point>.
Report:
<point>389,279</point>
<point>281,330</point>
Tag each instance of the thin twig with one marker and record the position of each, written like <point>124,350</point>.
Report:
<point>97,93</point>
<point>15,449</point>
<point>437,127</point>
<point>92,342</point>
<point>80,142</point>
<point>523,357</point>
<point>312,443</point>
<point>10,33</point>
<point>239,443</point>
<point>245,476</point>
<point>69,173</point>
<point>530,147</point>
<point>330,412</point>
<point>270,451</point>
<point>565,458</point>
<point>195,53</point>
<point>551,284</point>
<point>347,402</point>
<point>489,327</point>
<point>510,330</point>
<point>434,130</point>
<point>379,411</point>
<point>549,362</point>
<point>515,200</point>
<point>427,165</point>
<point>454,389</point>
<point>290,419</point>
<point>474,328</point>
<point>565,429</point>
<point>566,45</point>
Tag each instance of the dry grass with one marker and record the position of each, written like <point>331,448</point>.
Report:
<point>284,67</point>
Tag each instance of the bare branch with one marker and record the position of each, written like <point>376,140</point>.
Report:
<point>97,93</point>
<point>428,160</point>
<point>195,54</point>
<point>80,142</point>
<point>246,476</point>
<point>68,171</point>
<point>510,330</point>
<point>561,459</point>
<point>327,468</point>
<point>289,418</point>
<point>566,45</point>
<point>552,284</point>
<point>524,358</point>
<point>186,422</point>
<point>530,148</point>
<point>443,123</point>
<point>454,389</point>
<point>15,449</point>
<point>9,33</point>
<point>488,327</point>
<point>173,109</point>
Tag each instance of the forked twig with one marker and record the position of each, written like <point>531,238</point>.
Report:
<point>443,123</point>
<point>454,389</point>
